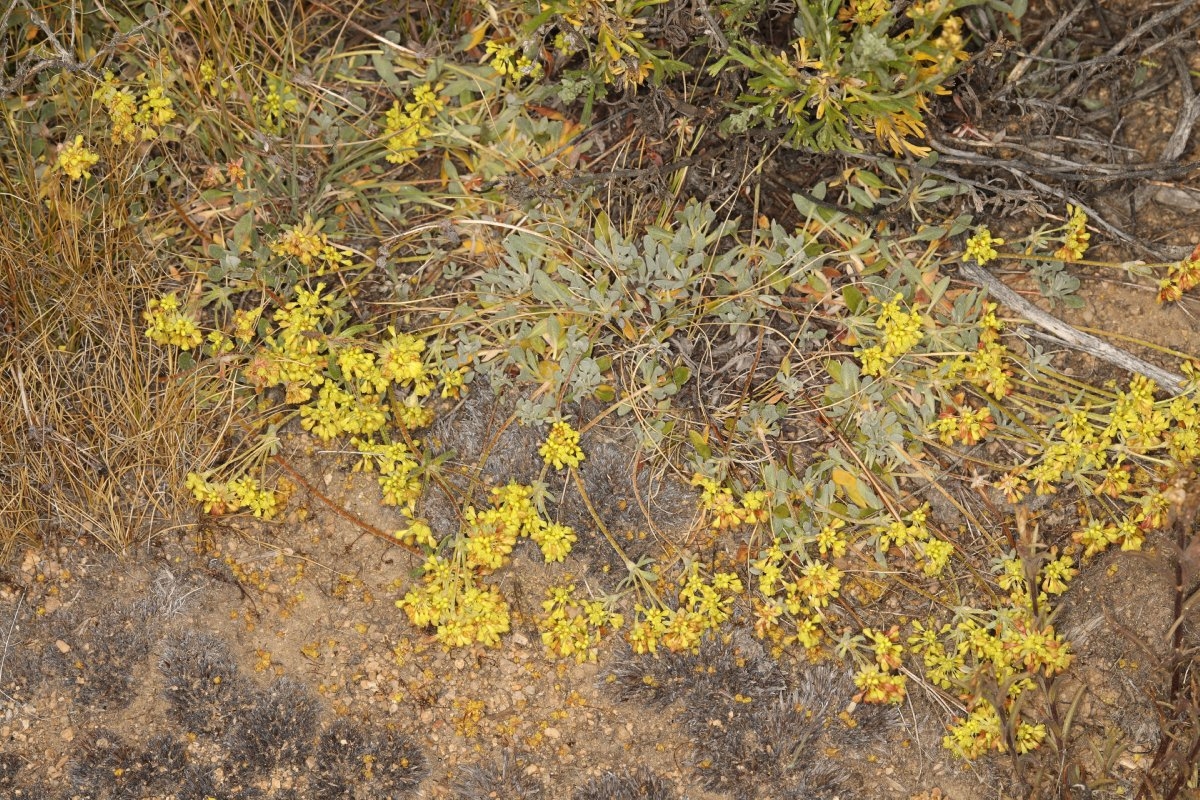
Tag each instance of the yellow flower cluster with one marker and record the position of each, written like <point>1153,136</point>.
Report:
<point>337,411</point>
<point>801,592</point>
<point>276,105</point>
<point>988,367</point>
<point>397,466</point>
<point>879,686</point>
<point>169,324</point>
<point>243,492</point>
<point>452,597</point>
<point>217,344</point>
<point>879,683</point>
<point>982,246</point>
<point>76,160</point>
<point>900,534</point>
<point>968,426</point>
<point>901,332</point>
<point>133,121</point>
<point>506,61</point>
<point>493,532</point>
<point>561,448</point>
<point>980,733</point>
<point>295,355</point>
<point>718,504</point>
<point>1008,650</point>
<point>306,243</point>
<point>1096,536</point>
<point>457,604</point>
<point>702,607</point>
<point>935,556</point>
<point>1182,276</point>
<point>1093,446</point>
<point>1053,577</point>
<point>407,126</point>
<point>572,628</point>
<point>863,12</point>
<point>418,534</point>
<point>401,360</point>
<point>1075,236</point>
<point>353,399</point>
<point>208,76</point>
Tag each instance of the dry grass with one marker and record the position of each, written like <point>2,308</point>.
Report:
<point>102,426</point>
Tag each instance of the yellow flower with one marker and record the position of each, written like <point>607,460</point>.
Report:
<point>561,448</point>
<point>901,329</point>
<point>328,417</point>
<point>208,75</point>
<point>555,541</point>
<point>879,687</point>
<point>76,160</point>
<point>245,323</point>
<point>980,246</point>
<point>155,112</point>
<point>502,57</point>
<point>169,325</point>
<point>1029,737</point>
<point>405,127</point>
<point>937,554</point>
<point>400,358</point>
<point>873,360</point>
<point>412,415</point>
<point>1075,236</point>
<point>121,107</point>
<point>304,242</point>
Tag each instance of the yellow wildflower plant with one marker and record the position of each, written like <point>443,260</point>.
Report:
<point>900,332</point>
<point>724,511</point>
<point>461,609</point>
<point>561,448</point>
<point>276,105</point>
<point>131,121</point>
<point>509,62</point>
<point>879,686</point>
<point>154,111</point>
<point>572,627</point>
<point>555,541</point>
<point>169,324</point>
<point>411,414</point>
<point>406,127</point>
<point>306,243</point>
<point>243,492</point>
<point>214,498</point>
<point>1075,236</point>
<point>76,160</point>
<point>976,735</point>
<point>981,247</point>
<point>1182,277</point>
<point>936,555</point>
<point>401,358</point>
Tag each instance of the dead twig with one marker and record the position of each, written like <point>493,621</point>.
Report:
<point>1092,68</point>
<point>1068,335</point>
<point>33,63</point>
<point>1188,113</point>
<point>1052,36</point>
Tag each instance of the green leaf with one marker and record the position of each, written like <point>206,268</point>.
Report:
<point>854,299</point>
<point>241,233</point>
<point>387,74</point>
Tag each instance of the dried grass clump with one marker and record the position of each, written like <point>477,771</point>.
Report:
<point>102,426</point>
